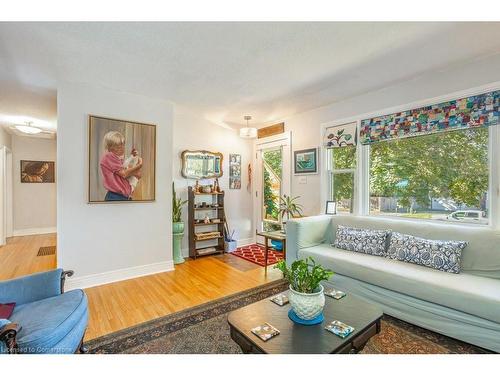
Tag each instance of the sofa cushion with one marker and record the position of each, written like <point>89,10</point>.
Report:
<point>46,322</point>
<point>368,241</point>
<point>479,296</point>
<point>440,255</point>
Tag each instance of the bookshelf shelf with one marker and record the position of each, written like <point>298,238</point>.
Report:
<point>214,213</point>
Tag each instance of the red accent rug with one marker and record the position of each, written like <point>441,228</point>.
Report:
<point>256,254</point>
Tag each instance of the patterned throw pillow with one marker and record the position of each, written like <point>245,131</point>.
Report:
<point>368,241</point>
<point>441,255</point>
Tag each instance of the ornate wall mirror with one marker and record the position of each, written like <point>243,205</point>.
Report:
<point>201,164</point>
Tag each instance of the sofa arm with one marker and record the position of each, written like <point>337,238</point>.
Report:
<point>305,232</point>
<point>32,288</point>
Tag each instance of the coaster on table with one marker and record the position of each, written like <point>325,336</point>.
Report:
<point>265,331</point>
<point>337,294</point>
<point>280,299</point>
<point>339,328</point>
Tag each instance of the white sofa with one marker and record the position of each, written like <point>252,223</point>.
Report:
<point>465,306</point>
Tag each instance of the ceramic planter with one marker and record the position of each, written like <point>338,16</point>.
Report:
<point>178,233</point>
<point>307,306</point>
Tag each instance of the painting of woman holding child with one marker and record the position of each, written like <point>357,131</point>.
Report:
<point>122,161</point>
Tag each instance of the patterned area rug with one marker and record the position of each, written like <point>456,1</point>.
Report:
<point>255,254</point>
<point>204,329</point>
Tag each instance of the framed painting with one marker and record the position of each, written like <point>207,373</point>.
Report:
<point>34,171</point>
<point>122,161</point>
<point>306,161</point>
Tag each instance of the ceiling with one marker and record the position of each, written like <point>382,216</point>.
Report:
<point>223,71</point>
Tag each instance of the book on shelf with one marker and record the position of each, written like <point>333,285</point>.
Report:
<point>206,235</point>
<point>265,331</point>
<point>340,329</point>
<point>280,299</point>
<point>337,294</point>
<point>206,250</point>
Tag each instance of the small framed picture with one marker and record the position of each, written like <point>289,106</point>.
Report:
<point>306,161</point>
<point>331,208</point>
<point>34,171</point>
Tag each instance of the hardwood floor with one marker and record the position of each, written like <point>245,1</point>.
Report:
<point>126,303</point>
<point>18,257</point>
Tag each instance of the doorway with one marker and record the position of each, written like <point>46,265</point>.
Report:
<point>272,180</point>
<point>6,214</point>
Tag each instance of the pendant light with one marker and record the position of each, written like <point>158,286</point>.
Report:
<point>28,128</point>
<point>248,132</point>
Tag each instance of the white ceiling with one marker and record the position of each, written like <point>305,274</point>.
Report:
<point>226,70</point>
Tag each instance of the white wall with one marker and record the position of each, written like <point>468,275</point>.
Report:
<point>35,205</point>
<point>5,138</point>
<point>110,242</point>
<point>192,132</point>
<point>6,216</point>
<point>305,127</point>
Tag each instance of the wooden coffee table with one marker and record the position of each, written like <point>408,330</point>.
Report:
<point>299,339</point>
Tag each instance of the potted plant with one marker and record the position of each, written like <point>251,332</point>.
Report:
<point>289,208</point>
<point>177,226</point>
<point>306,293</point>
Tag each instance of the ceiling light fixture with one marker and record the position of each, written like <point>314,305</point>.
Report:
<point>248,132</point>
<point>28,128</point>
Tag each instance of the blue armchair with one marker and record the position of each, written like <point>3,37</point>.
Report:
<point>45,319</point>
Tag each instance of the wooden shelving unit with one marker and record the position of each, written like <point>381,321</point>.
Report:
<point>215,213</point>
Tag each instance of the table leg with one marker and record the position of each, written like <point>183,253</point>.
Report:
<point>265,256</point>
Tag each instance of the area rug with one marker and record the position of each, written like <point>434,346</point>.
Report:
<point>204,329</point>
<point>256,254</point>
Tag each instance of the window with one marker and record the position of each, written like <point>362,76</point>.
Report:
<point>342,167</point>
<point>442,176</point>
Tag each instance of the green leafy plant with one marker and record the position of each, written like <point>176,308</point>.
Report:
<point>304,275</point>
<point>289,207</point>
<point>177,204</point>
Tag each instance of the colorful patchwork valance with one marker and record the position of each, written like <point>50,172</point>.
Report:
<point>472,112</point>
<point>341,135</point>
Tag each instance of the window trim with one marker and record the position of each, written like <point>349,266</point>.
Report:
<point>362,174</point>
<point>330,171</point>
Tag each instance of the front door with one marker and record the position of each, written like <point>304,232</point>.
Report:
<point>272,181</point>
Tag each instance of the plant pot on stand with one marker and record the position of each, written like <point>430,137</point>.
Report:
<point>177,227</point>
<point>177,234</point>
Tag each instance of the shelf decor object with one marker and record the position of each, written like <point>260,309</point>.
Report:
<point>206,222</point>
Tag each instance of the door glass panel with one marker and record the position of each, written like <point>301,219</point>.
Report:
<point>271,170</point>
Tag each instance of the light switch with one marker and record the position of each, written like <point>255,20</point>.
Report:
<point>302,180</point>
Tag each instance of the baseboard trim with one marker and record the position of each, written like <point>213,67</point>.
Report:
<point>246,241</point>
<point>117,275</point>
<point>33,231</point>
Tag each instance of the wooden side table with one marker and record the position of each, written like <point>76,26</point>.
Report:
<point>272,235</point>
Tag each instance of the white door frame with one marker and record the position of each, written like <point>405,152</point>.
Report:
<point>285,141</point>
<point>6,215</point>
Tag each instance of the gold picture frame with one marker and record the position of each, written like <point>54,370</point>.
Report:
<point>206,172</point>
<point>105,184</point>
